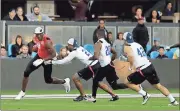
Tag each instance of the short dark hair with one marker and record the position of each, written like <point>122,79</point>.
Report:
<point>109,32</point>
<point>36,6</point>
<point>101,20</point>
<point>161,47</point>
<point>139,7</point>
<point>2,47</point>
<point>12,9</point>
<point>100,32</point>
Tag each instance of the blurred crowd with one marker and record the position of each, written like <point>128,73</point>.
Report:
<point>140,35</point>
<point>81,7</point>
<point>18,15</point>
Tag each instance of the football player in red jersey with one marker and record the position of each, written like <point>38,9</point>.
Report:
<point>45,52</point>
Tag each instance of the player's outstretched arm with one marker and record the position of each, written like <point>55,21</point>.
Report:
<point>51,50</point>
<point>114,54</point>
<point>67,59</point>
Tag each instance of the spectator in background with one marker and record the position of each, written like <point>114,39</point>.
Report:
<point>80,7</point>
<point>140,33</point>
<point>161,53</point>
<point>11,15</point>
<point>110,38</point>
<point>138,15</point>
<point>176,54</point>
<point>101,26</point>
<point>154,17</point>
<point>20,15</point>
<point>17,47</point>
<point>3,52</point>
<point>155,47</point>
<point>37,16</point>
<point>24,54</point>
<point>168,11</point>
<point>63,53</point>
<point>30,45</point>
<point>118,44</point>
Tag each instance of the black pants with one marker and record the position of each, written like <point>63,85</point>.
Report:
<point>47,69</point>
<point>148,74</point>
<point>108,72</point>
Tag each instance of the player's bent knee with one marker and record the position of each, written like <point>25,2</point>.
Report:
<point>26,74</point>
<point>76,77</point>
<point>157,86</point>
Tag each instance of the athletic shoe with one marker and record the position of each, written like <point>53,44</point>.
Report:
<point>145,98</point>
<point>79,98</point>
<point>67,85</point>
<point>90,99</point>
<point>174,103</point>
<point>115,98</point>
<point>20,95</point>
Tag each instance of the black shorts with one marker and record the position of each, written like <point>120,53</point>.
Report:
<point>89,72</point>
<point>47,69</point>
<point>148,74</point>
<point>108,72</point>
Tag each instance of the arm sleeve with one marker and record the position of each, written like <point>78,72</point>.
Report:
<point>46,18</point>
<point>14,51</point>
<point>71,56</point>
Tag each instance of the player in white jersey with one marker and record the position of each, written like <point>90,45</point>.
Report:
<point>88,72</point>
<point>144,70</point>
<point>102,53</point>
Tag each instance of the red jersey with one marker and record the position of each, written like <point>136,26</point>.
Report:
<point>42,51</point>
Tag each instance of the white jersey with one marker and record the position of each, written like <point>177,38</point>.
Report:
<point>105,53</point>
<point>140,57</point>
<point>80,53</point>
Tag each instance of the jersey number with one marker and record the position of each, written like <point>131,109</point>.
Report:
<point>141,52</point>
<point>86,52</point>
<point>108,50</point>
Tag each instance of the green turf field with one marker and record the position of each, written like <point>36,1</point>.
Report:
<point>101,104</point>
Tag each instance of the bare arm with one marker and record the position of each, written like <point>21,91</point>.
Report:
<point>128,52</point>
<point>97,48</point>
<point>67,59</point>
<point>51,50</point>
<point>114,54</point>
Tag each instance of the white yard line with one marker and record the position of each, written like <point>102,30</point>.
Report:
<point>51,96</point>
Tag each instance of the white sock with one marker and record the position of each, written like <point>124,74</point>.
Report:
<point>171,98</point>
<point>142,92</point>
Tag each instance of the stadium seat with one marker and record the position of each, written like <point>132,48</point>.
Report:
<point>58,47</point>
<point>33,54</point>
<point>154,54</point>
<point>148,48</point>
<point>169,54</point>
<point>173,50</point>
<point>9,50</point>
<point>89,48</point>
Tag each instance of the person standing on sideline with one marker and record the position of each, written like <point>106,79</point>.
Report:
<point>140,33</point>
<point>101,26</point>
